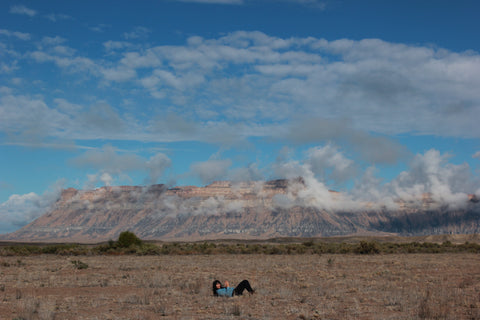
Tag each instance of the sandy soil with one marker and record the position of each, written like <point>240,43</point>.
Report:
<point>413,286</point>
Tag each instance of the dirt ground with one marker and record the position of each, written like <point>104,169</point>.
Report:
<point>410,286</point>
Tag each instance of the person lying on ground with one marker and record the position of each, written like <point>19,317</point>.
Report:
<point>227,291</point>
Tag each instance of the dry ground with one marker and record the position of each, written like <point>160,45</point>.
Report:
<point>411,286</point>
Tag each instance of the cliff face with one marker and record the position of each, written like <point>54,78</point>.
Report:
<point>250,210</point>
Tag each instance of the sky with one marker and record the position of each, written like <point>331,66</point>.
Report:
<point>375,99</point>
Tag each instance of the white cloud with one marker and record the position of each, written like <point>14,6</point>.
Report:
<point>119,74</point>
<point>35,120</point>
<point>54,17</point>
<point>21,9</point>
<point>63,50</point>
<point>17,34</point>
<point>249,173</point>
<point>100,27</point>
<point>137,32</point>
<point>211,170</point>
<point>38,122</point>
<point>375,149</point>
<point>156,166</point>
<point>107,159</point>
<point>249,84</point>
<point>476,155</point>
<point>329,163</point>
<point>430,173</point>
<point>429,176</point>
<point>52,41</point>
<point>112,165</point>
<point>71,64</point>
<point>20,210</point>
<point>373,81</point>
<point>9,68</point>
<point>116,45</point>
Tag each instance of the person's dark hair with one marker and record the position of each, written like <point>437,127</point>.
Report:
<point>214,287</point>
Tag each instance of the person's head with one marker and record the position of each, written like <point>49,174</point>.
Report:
<point>215,286</point>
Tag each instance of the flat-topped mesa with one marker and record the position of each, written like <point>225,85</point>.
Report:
<point>215,189</point>
<point>68,193</point>
<point>157,188</point>
<point>120,188</point>
<point>225,209</point>
<point>219,184</point>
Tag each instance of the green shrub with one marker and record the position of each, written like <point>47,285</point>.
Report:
<point>365,247</point>
<point>63,249</point>
<point>127,239</point>
<point>79,264</point>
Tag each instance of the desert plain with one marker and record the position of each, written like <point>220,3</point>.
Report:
<point>299,286</point>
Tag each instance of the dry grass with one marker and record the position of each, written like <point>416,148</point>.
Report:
<point>409,286</point>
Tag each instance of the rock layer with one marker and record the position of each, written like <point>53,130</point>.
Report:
<point>223,210</point>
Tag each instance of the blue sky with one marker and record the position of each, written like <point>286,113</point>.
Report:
<point>366,97</point>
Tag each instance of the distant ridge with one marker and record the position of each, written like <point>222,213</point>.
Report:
<point>228,210</point>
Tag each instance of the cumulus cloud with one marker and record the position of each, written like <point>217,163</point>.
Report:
<point>330,164</point>
<point>137,32</point>
<point>23,10</point>
<point>100,27</point>
<point>156,166</point>
<point>243,85</point>
<point>54,17</point>
<point>35,121</point>
<point>251,172</point>
<point>111,164</point>
<point>16,34</point>
<point>211,170</point>
<point>72,64</point>
<point>431,174</point>
<point>119,74</point>
<point>372,148</point>
<point>309,190</point>
<point>430,180</point>
<point>108,157</point>
<point>39,122</point>
<point>21,209</point>
<point>116,45</point>
<point>355,92</point>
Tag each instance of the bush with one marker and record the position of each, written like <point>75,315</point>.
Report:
<point>79,264</point>
<point>365,247</point>
<point>127,239</point>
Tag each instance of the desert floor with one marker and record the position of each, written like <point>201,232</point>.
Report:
<point>410,286</point>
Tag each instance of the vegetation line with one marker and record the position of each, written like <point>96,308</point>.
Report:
<point>129,243</point>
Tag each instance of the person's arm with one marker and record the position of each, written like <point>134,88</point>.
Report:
<point>227,284</point>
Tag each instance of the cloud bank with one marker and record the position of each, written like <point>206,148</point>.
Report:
<point>111,165</point>
<point>259,83</point>
<point>430,177</point>
<point>19,210</point>
<point>341,100</point>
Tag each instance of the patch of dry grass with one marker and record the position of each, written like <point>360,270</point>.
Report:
<point>408,286</point>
